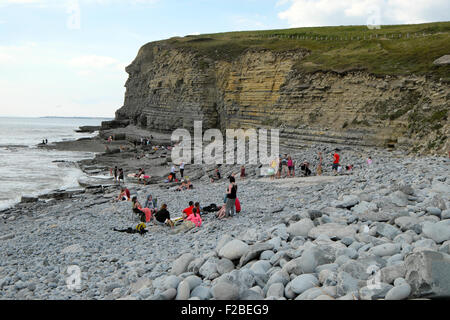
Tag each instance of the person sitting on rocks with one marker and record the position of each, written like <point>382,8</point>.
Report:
<point>140,175</point>
<point>162,216</point>
<point>170,178</point>
<point>144,214</point>
<point>183,186</point>
<point>198,208</point>
<point>221,213</point>
<point>216,175</point>
<point>195,217</point>
<point>187,211</point>
<point>192,221</point>
<point>305,168</point>
<point>349,167</point>
<point>150,202</point>
<point>124,194</point>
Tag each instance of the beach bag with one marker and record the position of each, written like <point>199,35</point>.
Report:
<point>271,171</point>
<point>211,208</point>
<point>237,205</point>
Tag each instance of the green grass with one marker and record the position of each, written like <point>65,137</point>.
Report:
<point>378,55</point>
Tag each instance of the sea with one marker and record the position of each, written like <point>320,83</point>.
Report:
<point>28,170</point>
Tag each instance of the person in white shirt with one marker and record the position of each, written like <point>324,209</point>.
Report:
<point>182,169</point>
<point>172,171</point>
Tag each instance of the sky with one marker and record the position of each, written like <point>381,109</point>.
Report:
<point>68,57</point>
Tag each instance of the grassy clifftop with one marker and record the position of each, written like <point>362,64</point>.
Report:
<point>390,50</point>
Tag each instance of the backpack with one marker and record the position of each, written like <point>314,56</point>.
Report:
<point>238,205</point>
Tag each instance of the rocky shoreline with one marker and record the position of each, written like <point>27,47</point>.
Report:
<point>381,232</point>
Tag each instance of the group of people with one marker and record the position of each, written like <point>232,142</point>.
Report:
<point>190,216</point>
<point>146,141</point>
<point>44,141</point>
<point>117,173</point>
<point>284,166</point>
<point>216,176</point>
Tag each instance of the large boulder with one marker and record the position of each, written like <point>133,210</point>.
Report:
<point>399,199</point>
<point>390,273</point>
<point>400,292</point>
<point>333,230</point>
<point>347,202</point>
<point>300,228</point>
<point>386,230</point>
<point>386,249</point>
<point>308,261</point>
<point>303,282</point>
<point>254,251</point>
<point>444,60</point>
<point>439,231</point>
<point>428,274</point>
<point>234,249</point>
<point>180,265</point>
<point>406,222</point>
<point>225,290</point>
<point>364,207</point>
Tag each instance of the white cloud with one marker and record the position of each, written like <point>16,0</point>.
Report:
<point>6,58</point>
<point>10,55</point>
<point>59,2</point>
<point>310,13</point>
<point>92,61</point>
<point>253,22</point>
<point>89,65</point>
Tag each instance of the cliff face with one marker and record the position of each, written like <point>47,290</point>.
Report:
<point>169,88</point>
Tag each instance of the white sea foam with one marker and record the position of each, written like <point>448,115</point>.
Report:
<point>28,170</point>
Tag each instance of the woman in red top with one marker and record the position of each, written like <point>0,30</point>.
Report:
<point>124,192</point>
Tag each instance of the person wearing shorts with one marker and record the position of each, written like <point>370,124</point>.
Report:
<point>335,162</point>
<point>280,167</point>
<point>290,165</point>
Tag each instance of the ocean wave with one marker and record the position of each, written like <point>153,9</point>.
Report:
<point>7,146</point>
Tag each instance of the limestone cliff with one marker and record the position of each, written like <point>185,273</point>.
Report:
<point>169,87</point>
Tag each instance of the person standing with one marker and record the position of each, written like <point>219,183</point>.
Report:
<point>115,172</point>
<point>242,172</point>
<point>231,197</point>
<point>182,169</point>
<point>285,160</point>
<point>280,167</point>
<point>172,171</point>
<point>335,165</point>
<point>319,166</point>
<point>290,165</point>
<point>121,175</point>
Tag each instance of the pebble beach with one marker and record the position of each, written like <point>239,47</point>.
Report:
<point>373,233</point>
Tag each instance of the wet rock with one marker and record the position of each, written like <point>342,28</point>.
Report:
<point>428,274</point>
